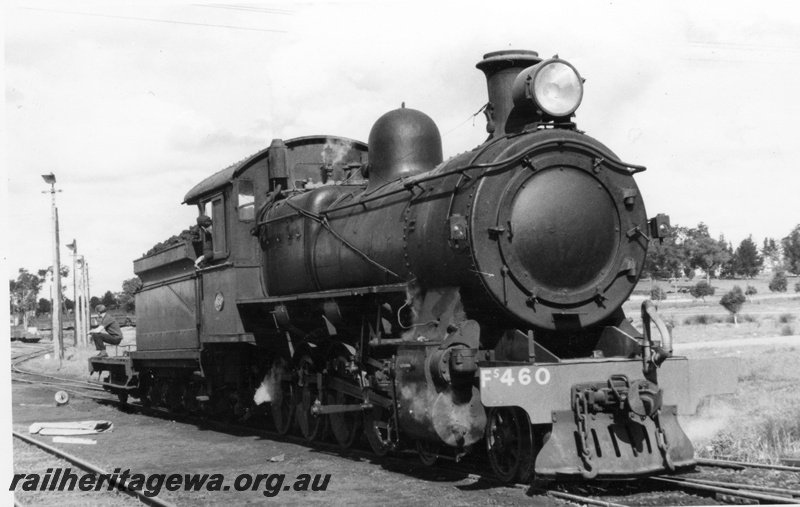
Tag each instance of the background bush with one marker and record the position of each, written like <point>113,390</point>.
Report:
<point>778,282</point>
<point>701,290</point>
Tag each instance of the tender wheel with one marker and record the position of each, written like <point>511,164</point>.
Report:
<point>154,393</point>
<point>311,426</point>
<point>378,429</point>
<point>189,398</point>
<point>428,453</point>
<point>173,396</point>
<point>346,426</point>
<point>283,405</point>
<point>509,444</point>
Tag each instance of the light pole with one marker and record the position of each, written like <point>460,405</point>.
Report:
<point>58,334</point>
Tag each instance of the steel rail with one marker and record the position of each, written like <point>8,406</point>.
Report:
<point>772,499</point>
<point>583,500</point>
<point>751,487</point>
<point>86,384</point>
<point>120,485</point>
<point>735,464</point>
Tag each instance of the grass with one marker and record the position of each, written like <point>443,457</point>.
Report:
<point>761,421</point>
<point>701,320</point>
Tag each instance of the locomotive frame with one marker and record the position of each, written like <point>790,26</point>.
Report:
<point>377,289</point>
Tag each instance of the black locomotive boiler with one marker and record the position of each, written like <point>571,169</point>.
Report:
<point>475,302</point>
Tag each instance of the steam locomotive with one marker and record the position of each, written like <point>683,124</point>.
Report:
<point>377,291</point>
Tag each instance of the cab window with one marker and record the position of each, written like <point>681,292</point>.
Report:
<point>247,200</point>
<point>215,208</point>
<point>218,223</point>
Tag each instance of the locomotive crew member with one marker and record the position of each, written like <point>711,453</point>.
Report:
<point>107,331</point>
<point>204,237</point>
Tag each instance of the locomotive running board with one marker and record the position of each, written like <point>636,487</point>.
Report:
<point>620,445</point>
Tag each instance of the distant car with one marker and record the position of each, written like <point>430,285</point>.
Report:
<point>29,335</point>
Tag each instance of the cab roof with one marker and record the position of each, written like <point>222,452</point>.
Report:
<point>225,177</point>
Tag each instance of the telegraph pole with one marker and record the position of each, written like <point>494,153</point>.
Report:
<point>83,294</point>
<point>73,247</point>
<point>58,333</point>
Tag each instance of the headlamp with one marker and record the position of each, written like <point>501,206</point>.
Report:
<point>553,86</point>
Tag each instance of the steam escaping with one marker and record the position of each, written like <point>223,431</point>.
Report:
<point>335,150</point>
<point>267,391</point>
<point>418,401</point>
<point>264,391</point>
<point>456,422</point>
<point>709,420</point>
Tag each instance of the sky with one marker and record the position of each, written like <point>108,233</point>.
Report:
<point>130,104</point>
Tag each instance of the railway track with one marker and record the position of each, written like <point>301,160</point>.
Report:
<point>89,467</point>
<point>67,384</point>
<point>671,490</point>
<point>684,489</point>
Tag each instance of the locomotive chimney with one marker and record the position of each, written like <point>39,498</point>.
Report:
<point>501,68</point>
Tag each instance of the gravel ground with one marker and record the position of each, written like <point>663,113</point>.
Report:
<point>151,445</point>
<point>29,459</point>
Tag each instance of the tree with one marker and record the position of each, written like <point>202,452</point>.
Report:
<point>47,274</point>
<point>658,294</point>
<point>771,253</point>
<point>705,252</point>
<point>94,301</point>
<point>778,282</point>
<point>23,294</point>
<point>126,298</point>
<point>43,307</point>
<point>791,250</point>
<point>733,301</point>
<point>666,258</point>
<point>728,268</point>
<point>747,261</point>
<point>701,290</point>
<point>109,300</point>
<point>69,304</point>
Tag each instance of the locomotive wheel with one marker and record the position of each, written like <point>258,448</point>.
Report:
<point>173,396</point>
<point>122,396</point>
<point>509,444</point>
<point>346,426</point>
<point>312,427</point>
<point>428,453</point>
<point>283,407</point>
<point>377,428</point>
